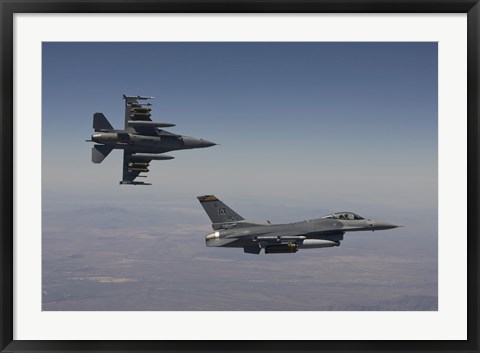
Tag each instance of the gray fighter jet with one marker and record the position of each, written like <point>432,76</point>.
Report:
<point>142,140</point>
<point>232,230</point>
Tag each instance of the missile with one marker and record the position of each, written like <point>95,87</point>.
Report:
<point>136,97</point>
<point>139,105</point>
<point>142,123</point>
<point>278,238</point>
<point>138,164</point>
<point>126,182</point>
<point>150,156</point>
<point>140,115</point>
<point>140,110</point>
<point>145,170</point>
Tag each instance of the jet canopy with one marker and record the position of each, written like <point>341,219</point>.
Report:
<point>345,216</point>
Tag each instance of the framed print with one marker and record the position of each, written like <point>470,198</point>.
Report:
<point>239,176</point>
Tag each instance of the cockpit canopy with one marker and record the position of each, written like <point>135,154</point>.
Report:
<point>345,216</point>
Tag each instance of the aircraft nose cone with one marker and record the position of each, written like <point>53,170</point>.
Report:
<point>192,142</point>
<point>379,225</point>
<point>206,143</point>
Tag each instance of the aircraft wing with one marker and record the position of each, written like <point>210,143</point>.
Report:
<point>132,167</point>
<point>137,115</point>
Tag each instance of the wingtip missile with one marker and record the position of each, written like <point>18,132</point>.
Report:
<point>138,105</point>
<point>125,182</point>
<point>137,97</point>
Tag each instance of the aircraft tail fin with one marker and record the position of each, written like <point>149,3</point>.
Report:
<point>101,123</point>
<point>217,211</point>
<point>100,152</point>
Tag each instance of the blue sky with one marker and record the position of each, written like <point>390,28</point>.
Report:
<point>307,122</point>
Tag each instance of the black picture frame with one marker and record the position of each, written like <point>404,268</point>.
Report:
<point>9,7</point>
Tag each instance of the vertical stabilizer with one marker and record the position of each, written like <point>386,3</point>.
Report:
<point>218,211</point>
<point>101,123</point>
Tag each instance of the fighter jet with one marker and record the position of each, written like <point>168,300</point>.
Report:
<point>233,231</point>
<point>142,139</point>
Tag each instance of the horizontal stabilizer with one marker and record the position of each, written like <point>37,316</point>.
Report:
<point>101,123</point>
<point>99,152</point>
